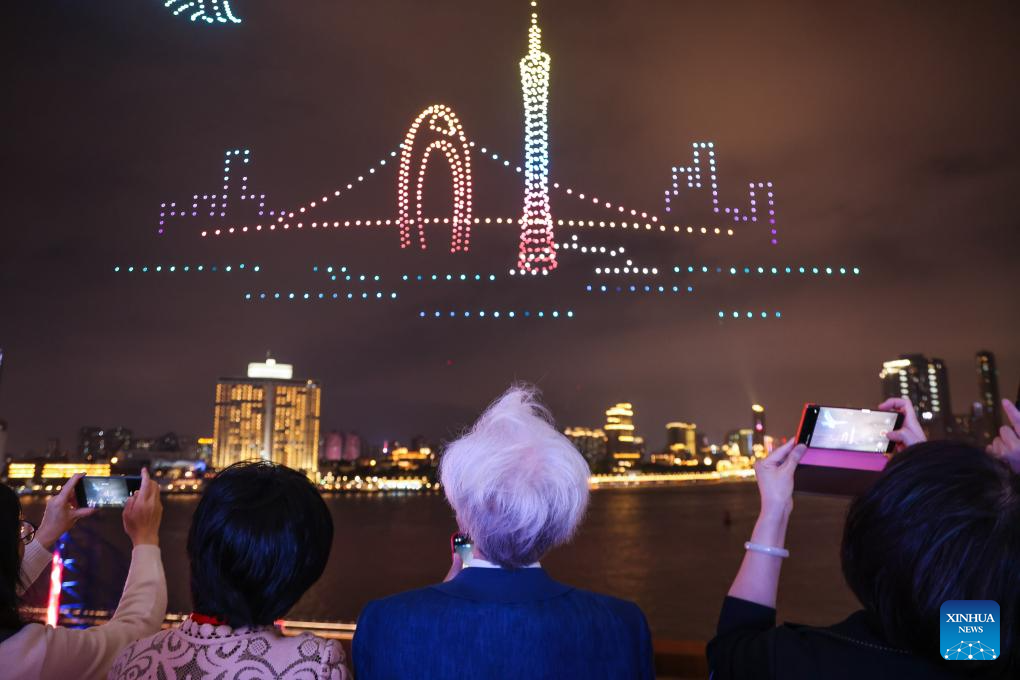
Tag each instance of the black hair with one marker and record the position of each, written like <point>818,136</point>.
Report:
<point>10,558</point>
<point>260,538</point>
<point>941,523</point>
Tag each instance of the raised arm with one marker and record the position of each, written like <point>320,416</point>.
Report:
<point>60,515</point>
<point>89,653</point>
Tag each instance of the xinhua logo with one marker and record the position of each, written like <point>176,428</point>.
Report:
<point>969,630</point>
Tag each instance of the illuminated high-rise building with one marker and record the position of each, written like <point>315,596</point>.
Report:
<point>267,416</point>
<point>925,382</point>
<point>592,445</point>
<point>537,252</point>
<point>624,448</point>
<point>988,390</point>
<point>758,426</point>
<point>682,440</point>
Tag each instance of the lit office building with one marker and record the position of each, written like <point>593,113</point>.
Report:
<point>268,416</point>
<point>591,443</point>
<point>624,448</point>
<point>741,442</point>
<point>988,389</point>
<point>758,426</point>
<point>925,382</point>
<point>682,440</point>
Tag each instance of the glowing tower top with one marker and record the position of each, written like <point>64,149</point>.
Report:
<point>537,253</point>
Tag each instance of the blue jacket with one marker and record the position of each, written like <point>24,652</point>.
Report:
<point>500,623</point>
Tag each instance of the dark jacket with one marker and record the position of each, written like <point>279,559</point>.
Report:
<point>749,646</point>
<point>501,623</point>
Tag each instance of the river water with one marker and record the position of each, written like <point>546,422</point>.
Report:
<point>667,548</point>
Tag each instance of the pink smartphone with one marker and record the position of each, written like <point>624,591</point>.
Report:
<point>847,448</point>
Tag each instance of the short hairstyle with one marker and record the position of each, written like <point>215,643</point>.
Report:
<point>518,486</point>
<point>260,538</point>
<point>941,523</point>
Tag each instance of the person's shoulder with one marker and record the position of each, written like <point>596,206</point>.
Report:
<point>329,652</point>
<point>626,611</point>
<point>399,605</point>
<point>138,654</point>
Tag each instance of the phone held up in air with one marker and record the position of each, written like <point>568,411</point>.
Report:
<point>461,544</point>
<point>847,448</point>
<point>105,492</point>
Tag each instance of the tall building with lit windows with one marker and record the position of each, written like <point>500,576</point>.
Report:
<point>758,426</point>
<point>624,448</point>
<point>592,445</point>
<point>988,389</point>
<point>925,382</point>
<point>269,416</point>
<point>682,440</point>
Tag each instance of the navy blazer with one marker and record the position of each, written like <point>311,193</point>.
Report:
<point>502,623</point>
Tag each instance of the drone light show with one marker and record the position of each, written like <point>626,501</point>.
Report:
<point>581,241</point>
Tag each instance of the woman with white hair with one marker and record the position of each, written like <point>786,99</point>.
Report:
<point>519,488</point>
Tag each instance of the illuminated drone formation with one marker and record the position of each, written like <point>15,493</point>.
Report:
<point>443,121</point>
<point>695,181</point>
<point>208,11</point>
<point>437,131</point>
<point>537,252</point>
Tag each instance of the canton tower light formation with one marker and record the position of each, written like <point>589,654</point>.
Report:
<point>537,251</point>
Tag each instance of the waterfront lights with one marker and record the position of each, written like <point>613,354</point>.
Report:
<point>536,251</point>
<point>441,120</point>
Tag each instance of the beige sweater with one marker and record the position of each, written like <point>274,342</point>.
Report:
<point>39,652</point>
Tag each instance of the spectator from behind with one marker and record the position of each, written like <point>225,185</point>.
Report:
<point>941,523</point>
<point>33,651</point>
<point>259,539</point>
<point>519,489</point>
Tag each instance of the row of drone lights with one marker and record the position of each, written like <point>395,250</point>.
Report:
<point>172,268</point>
<point>591,288</point>
<point>829,271</point>
<point>310,296</point>
<point>498,314</point>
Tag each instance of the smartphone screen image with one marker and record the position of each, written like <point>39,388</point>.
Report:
<point>847,429</point>
<point>461,544</point>
<point>106,492</point>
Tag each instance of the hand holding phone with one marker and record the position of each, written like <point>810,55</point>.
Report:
<point>61,514</point>
<point>909,431</point>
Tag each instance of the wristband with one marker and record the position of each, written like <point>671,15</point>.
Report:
<point>767,549</point>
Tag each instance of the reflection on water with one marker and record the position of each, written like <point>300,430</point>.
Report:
<point>667,548</point>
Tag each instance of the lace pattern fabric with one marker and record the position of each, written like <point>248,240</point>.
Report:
<point>203,652</point>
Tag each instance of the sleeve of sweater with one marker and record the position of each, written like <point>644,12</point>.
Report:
<point>89,653</point>
<point>36,559</point>
<point>743,645</point>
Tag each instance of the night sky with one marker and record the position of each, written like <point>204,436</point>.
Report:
<point>890,131</point>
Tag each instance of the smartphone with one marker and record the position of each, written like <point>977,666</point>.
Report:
<point>461,544</point>
<point>105,492</point>
<point>847,449</point>
<point>848,429</point>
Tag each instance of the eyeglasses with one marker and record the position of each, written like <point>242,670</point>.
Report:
<point>27,531</point>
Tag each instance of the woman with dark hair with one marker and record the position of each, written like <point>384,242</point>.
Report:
<point>941,523</point>
<point>259,539</point>
<point>32,651</point>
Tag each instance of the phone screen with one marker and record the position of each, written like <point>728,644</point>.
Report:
<point>848,429</point>
<point>106,492</point>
